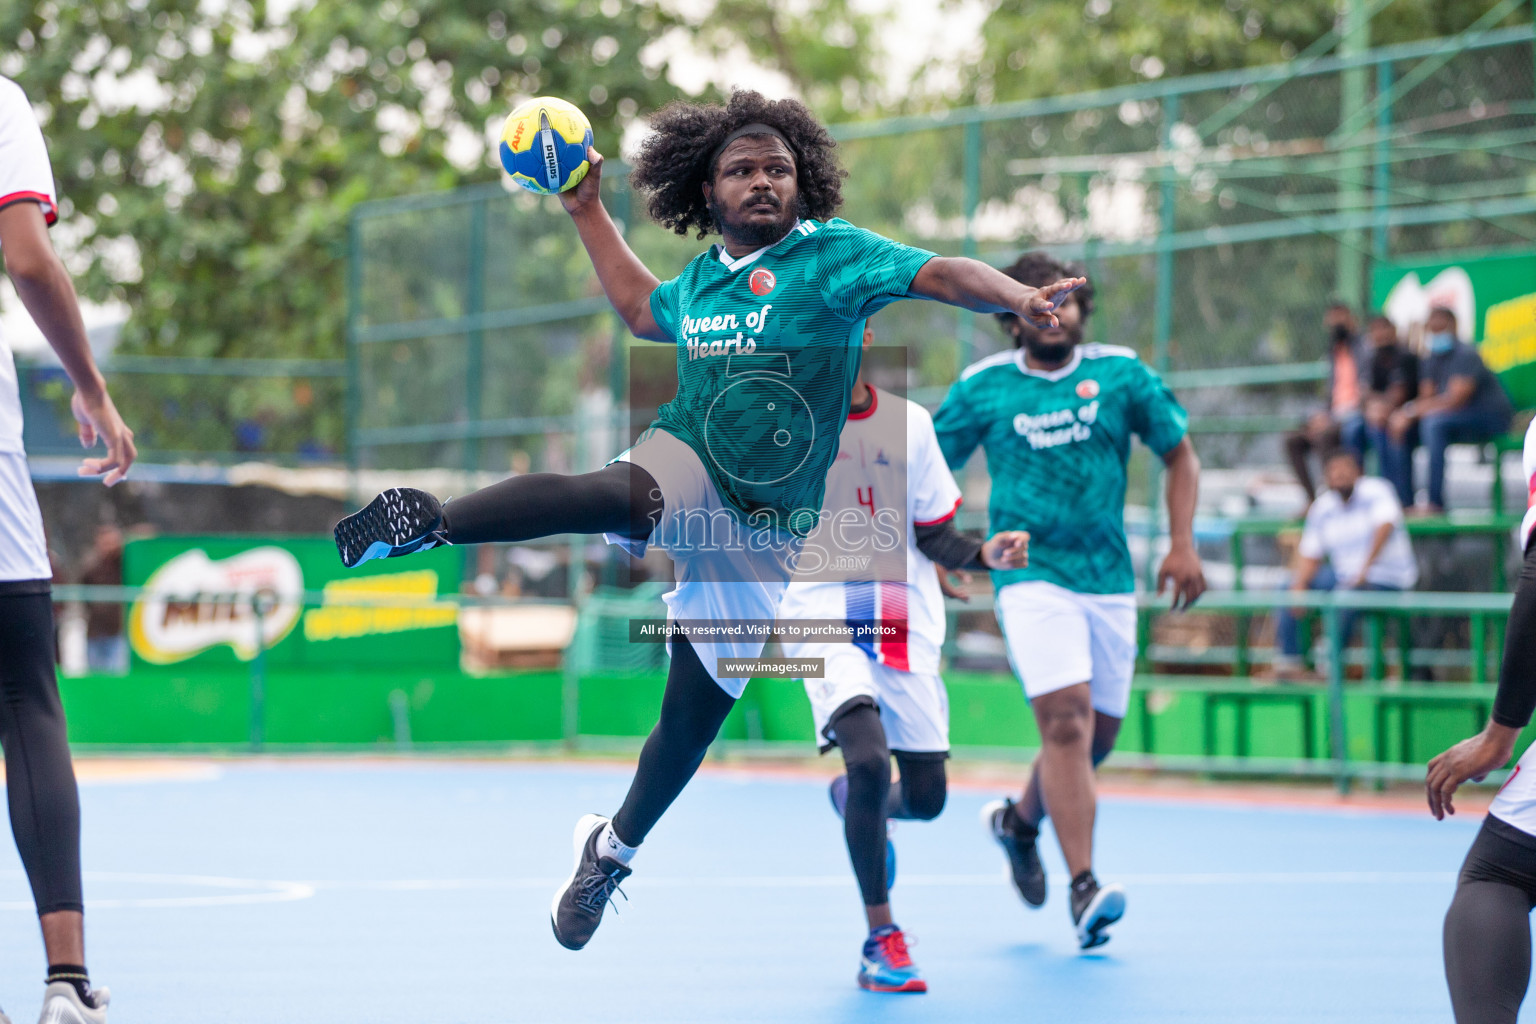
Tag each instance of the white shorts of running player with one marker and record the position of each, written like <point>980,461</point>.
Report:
<point>1057,638</point>
<point>914,706</point>
<point>723,582</point>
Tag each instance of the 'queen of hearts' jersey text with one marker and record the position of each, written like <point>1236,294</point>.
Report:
<point>1056,444</point>
<point>768,348</point>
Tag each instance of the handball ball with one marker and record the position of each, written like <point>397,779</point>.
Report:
<point>544,145</point>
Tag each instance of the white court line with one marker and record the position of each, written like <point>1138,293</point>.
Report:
<point>926,881</point>
<point>262,891</point>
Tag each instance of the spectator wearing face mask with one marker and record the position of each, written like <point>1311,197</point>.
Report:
<point>1341,421</point>
<point>1460,402</point>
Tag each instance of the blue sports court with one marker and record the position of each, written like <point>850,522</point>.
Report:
<point>418,890</point>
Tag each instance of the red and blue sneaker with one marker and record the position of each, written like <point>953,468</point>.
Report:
<point>886,965</point>
<point>838,791</point>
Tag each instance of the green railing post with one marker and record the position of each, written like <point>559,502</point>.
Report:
<point>1354,40</point>
<point>353,403</point>
<point>1382,184</point>
<point>474,341</point>
<point>1162,319</point>
<point>972,175</point>
<point>1241,665</point>
<point>1338,737</point>
<point>1478,624</point>
<point>259,609</point>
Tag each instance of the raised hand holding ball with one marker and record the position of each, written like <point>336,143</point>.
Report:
<point>544,145</point>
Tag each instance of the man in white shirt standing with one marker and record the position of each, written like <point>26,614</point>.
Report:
<point>1354,539</point>
<point>40,779</point>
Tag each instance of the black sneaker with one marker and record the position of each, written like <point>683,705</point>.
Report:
<point>580,902</point>
<point>838,791</point>
<point>397,522</point>
<point>1022,852</point>
<point>1095,908</point>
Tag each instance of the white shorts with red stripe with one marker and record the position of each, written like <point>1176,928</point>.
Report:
<point>914,706</point>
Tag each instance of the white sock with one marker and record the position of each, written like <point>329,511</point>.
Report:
<point>610,845</point>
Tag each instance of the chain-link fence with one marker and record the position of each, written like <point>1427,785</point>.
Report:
<point>1216,214</point>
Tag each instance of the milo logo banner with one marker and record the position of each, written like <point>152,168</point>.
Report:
<point>202,596</point>
<point>1494,299</point>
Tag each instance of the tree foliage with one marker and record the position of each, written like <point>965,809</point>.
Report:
<point>208,157</point>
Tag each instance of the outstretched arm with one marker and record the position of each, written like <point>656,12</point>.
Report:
<point>971,284</point>
<point>46,290</point>
<point>625,280</point>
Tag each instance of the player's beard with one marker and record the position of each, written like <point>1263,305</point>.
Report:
<point>1049,352</point>
<point>749,233</point>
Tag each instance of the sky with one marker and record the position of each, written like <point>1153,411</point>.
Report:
<point>920,30</point>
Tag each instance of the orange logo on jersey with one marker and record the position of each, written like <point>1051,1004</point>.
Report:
<point>1087,388</point>
<point>762,281</point>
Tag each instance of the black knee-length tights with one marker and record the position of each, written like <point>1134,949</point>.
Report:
<point>39,776</point>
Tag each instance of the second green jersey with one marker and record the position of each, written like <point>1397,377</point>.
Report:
<point>1057,444</point>
<point>768,348</point>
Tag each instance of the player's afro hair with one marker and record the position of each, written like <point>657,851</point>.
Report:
<point>1041,268</point>
<point>676,160</point>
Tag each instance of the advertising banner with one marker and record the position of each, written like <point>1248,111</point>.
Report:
<point>1493,297</point>
<point>203,595</point>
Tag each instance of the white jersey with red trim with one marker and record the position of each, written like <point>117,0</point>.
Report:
<point>1516,803</point>
<point>25,177</point>
<point>889,477</point>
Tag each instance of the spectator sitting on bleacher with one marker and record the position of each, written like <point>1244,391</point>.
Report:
<point>1460,402</point>
<point>1326,428</point>
<point>1391,378</point>
<point>1356,526</point>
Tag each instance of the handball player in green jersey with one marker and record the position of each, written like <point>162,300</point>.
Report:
<point>1055,418</point>
<point>768,327</point>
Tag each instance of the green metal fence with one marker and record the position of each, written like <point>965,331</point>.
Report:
<point>1215,214</point>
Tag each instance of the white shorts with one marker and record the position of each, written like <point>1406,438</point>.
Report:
<point>720,576</point>
<point>914,706</point>
<point>23,551</point>
<point>1057,638</point>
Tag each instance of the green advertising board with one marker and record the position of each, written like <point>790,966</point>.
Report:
<point>200,605</point>
<point>1494,298</point>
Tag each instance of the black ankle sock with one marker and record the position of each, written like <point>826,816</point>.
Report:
<point>1084,881</point>
<point>1020,828</point>
<point>76,975</point>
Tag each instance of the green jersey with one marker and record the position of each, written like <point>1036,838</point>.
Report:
<point>768,348</point>
<point>1056,447</point>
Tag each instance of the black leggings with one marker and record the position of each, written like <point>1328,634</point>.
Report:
<point>620,498</point>
<point>871,798</point>
<point>39,778</point>
<point>692,710</point>
<point>1488,928</point>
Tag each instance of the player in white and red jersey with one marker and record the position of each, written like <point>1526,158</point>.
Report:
<point>1487,929</point>
<point>887,520</point>
<point>40,779</point>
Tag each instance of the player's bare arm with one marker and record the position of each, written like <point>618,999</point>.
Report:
<point>45,289</point>
<point>1181,570</point>
<point>625,280</point>
<point>971,284</point>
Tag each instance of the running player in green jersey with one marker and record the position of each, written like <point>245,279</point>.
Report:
<point>768,328</point>
<point>1055,418</point>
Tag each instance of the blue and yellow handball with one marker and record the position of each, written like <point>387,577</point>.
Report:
<point>544,145</point>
